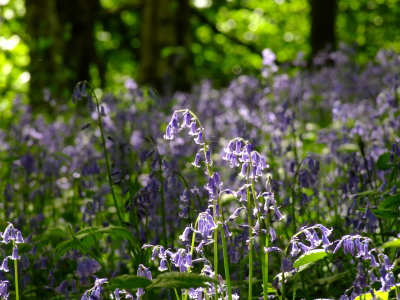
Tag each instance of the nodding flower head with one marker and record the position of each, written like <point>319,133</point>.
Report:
<point>11,234</point>
<point>238,151</point>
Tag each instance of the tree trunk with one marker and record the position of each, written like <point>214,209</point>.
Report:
<point>164,53</point>
<point>323,15</point>
<point>46,48</point>
<point>62,47</point>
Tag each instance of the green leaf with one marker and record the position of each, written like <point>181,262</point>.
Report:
<point>129,282</point>
<point>181,280</point>
<point>383,162</point>
<point>310,257</point>
<point>293,273</point>
<point>392,244</point>
<point>378,295</point>
<point>385,213</point>
<point>391,201</point>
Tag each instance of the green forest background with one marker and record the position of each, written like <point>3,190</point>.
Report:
<point>47,46</point>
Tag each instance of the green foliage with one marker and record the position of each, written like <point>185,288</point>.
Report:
<point>129,282</point>
<point>391,202</point>
<point>310,257</point>
<point>383,162</point>
<point>181,280</point>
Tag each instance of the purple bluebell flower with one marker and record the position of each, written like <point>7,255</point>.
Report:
<point>243,172</point>
<point>8,234</point>
<point>295,249</point>
<point>184,237</point>
<point>18,237</point>
<point>163,265</point>
<point>236,213</point>
<point>272,233</point>
<point>304,247</point>
<point>212,188</point>
<point>14,255</point>
<point>4,265</point>
<point>197,160</point>
<point>373,262</point>
<point>208,157</point>
<point>187,119</point>
<point>226,230</point>
<point>193,129</point>
<point>143,272</point>
<point>4,284</point>
<point>199,138</point>
<point>169,135</point>
<point>206,225</point>
<point>278,214</point>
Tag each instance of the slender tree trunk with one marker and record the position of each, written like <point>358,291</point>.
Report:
<point>164,54</point>
<point>323,15</point>
<point>46,48</point>
<point>62,47</point>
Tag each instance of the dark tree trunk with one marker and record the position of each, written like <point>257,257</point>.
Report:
<point>62,47</point>
<point>46,48</point>
<point>80,53</point>
<point>323,15</point>
<point>165,62</point>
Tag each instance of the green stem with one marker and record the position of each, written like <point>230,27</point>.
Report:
<point>16,277</point>
<point>103,140</point>
<point>226,259</point>
<point>250,293</point>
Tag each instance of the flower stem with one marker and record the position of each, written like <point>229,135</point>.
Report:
<point>103,140</point>
<point>250,293</point>
<point>16,277</point>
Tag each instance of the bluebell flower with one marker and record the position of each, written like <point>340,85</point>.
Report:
<point>4,265</point>
<point>208,160</point>
<point>199,139</point>
<point>163,265</point>
<point>18,237</point>
<point>8,234</point>
<point>294,250</point>
<point>236,213</point>
<point>4,284</point>
<point>243,171</point>
<point>14,255</point>
<point>185,235</point>
<point>143,272</point>
<point>206,226</point>
<point>193,129</point>
<point>272,232</point>
<point>169,135</point>
<point>95,291</point>
<point>304,247</point>
<point>187,119</point>
<point>196,162</point>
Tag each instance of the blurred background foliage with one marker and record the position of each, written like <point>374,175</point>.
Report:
<point>47,46</point>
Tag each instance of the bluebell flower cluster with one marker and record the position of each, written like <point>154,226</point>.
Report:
<point>95,291</point>
<point>239,152</point>
<point>314,240</point>
<point>13,235</point>
<point>360,247</point>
